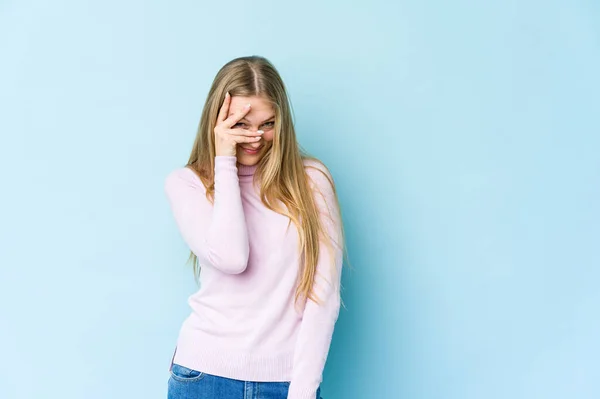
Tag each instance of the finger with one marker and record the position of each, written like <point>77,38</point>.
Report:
<point>244,132</point>
<point>236,116</point>
<point>224,107</point>
<point>246,139</point>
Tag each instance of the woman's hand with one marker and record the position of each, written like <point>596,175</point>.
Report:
<point>226,138</point>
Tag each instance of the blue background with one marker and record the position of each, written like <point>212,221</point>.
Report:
<point>463,137</point>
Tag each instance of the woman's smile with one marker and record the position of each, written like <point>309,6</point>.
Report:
<point>251,151</point>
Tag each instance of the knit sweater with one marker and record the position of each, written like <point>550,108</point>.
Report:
<point>243,322</point>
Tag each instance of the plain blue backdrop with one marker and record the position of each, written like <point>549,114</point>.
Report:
<point>464,138</point>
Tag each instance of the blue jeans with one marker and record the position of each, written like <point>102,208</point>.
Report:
<point>186,383</point>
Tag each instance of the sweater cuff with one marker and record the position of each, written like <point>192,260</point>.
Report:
<point>226,163</point>
<point>225,169</point>
<point>301,393</point>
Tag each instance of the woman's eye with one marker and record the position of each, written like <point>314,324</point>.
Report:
<point>239,124</point>
<point>270,124</point>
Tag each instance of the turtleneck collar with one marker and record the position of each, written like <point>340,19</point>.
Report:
<point>245,170</point>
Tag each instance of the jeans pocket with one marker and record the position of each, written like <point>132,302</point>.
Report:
<point>185,374</point>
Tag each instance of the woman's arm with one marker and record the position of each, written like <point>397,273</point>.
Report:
<point>318,320</point>
<point>216,233</point>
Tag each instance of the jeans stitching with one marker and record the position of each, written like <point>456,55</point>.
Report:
<point>187,379</point>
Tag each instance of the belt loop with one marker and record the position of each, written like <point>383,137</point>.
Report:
<point>248,390</point>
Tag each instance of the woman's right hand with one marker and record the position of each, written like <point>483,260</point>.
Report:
<point>226,138</point>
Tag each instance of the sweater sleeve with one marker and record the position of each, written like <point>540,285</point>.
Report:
<point>318,320</point>
<point>217,232</point>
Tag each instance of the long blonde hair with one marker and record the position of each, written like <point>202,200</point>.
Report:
<point>281,172</point>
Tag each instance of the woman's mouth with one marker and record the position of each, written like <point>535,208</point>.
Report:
<point>251,151</point>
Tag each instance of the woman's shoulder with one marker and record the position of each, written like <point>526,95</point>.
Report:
<point>318,172</point>
<point>312,165</point>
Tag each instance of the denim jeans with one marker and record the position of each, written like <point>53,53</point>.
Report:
<point>186,383</point>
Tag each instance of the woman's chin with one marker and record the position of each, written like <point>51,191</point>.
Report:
<point>248,160</point>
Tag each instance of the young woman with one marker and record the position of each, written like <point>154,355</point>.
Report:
<point>263,224</point>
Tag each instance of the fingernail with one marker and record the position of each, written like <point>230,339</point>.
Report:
<point>227,94</point>
<point>259,131</point>
<point>247,105</point>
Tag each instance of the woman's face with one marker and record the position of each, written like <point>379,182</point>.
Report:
<point>260,117</point>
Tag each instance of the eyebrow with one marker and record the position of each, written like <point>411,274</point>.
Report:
<point>266,120</point>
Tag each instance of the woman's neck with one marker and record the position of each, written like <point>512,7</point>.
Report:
<point>246,170</point>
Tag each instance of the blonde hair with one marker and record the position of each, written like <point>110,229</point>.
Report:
<point>281,171</point>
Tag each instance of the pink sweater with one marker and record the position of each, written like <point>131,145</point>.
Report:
<point>243,324</point>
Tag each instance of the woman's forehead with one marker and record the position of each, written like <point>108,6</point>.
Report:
<point>260,111</point>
